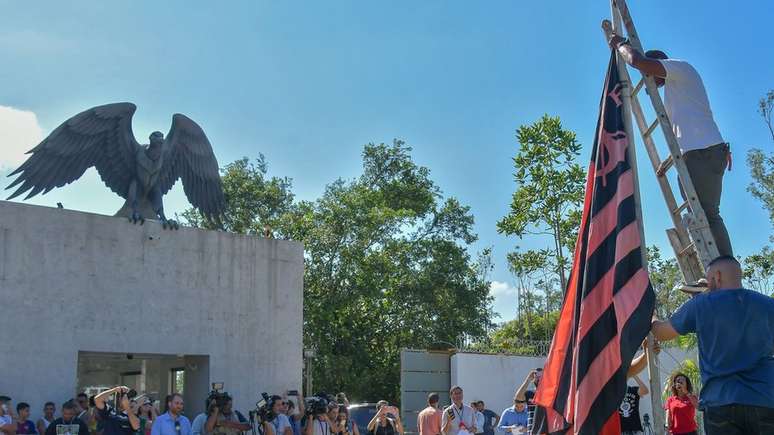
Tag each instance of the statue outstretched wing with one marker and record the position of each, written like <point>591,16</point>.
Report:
<point>101,137</point>
<point>188,155</point>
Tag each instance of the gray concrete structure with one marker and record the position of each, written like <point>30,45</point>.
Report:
<point>228,306</point>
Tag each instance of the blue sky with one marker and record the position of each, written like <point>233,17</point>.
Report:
<point>308,83</point>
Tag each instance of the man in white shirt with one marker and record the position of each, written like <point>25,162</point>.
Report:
<point>457,419</point>
<point>7,423</point>
<point>478,417</point>
<point>705,153</point>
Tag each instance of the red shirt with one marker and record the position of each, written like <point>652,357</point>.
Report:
<point>682,414</point>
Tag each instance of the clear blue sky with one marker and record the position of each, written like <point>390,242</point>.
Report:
<point>308,83</point>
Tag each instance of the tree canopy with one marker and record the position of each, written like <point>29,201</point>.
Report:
<point>387,265</point>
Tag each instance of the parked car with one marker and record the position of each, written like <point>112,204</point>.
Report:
<point>362,413</point>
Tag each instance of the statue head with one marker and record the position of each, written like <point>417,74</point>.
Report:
<point>156,138</point>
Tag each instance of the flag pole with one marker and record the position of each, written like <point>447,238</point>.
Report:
<point>623,73</point>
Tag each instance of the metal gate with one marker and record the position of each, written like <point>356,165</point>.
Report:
<point>422,372</point>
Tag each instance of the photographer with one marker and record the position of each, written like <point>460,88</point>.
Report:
<point>147,414</point>
<point>386,421</point>
<point>317,421</point>
<point>123,421</point>
<point>344,425</point>
<point>281,422</point>
<point>295,416</point>
<point>225,421</point>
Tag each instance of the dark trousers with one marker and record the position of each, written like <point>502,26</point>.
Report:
<point>739,420</point>
<point>706,167</point>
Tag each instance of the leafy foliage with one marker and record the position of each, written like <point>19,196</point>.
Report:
<point>758,271</point>
<point>548,197</point>
<point>386,266</point>
<point>255,203</point>
<point>525,335</point>
<point>664,276</point>
<point>761,163</point>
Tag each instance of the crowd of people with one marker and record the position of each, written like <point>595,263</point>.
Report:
<point>734,327</point>
<point>116,412</point>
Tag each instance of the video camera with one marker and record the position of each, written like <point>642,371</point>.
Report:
<point>264,408</point>
<point>220,397</point>
<point>318,404</point>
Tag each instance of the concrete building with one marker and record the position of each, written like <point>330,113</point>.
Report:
<point>92,301</point>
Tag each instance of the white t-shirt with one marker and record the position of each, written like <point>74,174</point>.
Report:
<point>687,105</point>
<point>464,415</point>
<point>479,420</point>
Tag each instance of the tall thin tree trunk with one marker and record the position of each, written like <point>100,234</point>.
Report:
<point>559,253</point>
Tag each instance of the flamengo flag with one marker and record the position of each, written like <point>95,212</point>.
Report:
<point>608,302</point>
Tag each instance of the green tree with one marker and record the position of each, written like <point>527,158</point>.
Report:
<point>387,267</point>
<point>761,163</point>
<point>255,204</point>
<point>758,268</point>
<point>665,276</point>
<point>758,271</point>
<point>549,194</point>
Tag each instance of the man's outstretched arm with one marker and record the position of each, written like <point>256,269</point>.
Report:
<point>663,330</point>
<point>633,57</point>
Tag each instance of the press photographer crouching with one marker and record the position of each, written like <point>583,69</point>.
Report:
<point>222,418</point>
<point>120,421</point>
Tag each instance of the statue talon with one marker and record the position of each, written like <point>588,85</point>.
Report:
<point>169,224</point>
<point>137,217</point>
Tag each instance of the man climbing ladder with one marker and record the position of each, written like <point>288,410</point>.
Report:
<point>705,153</point>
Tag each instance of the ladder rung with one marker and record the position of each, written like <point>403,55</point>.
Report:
<point>681,208</point>
<point>639,86</point>
<point>667,163</point>
<point>685,250</point>
<point>650,129</point>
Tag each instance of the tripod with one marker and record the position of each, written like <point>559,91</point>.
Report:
<point>646,425</point>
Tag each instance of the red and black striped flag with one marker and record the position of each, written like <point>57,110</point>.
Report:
<point>608,301</point>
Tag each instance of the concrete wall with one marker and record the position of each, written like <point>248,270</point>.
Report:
<point>491,378</point>
<point>495,378</point>
<point>73,281</point>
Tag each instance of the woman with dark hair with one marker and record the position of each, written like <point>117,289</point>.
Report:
<point>386,421</point>
<point>147,413</point>
<point>344,424</point>
<point>681,407</point>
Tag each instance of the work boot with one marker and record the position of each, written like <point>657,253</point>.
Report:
<point>693,288</point>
